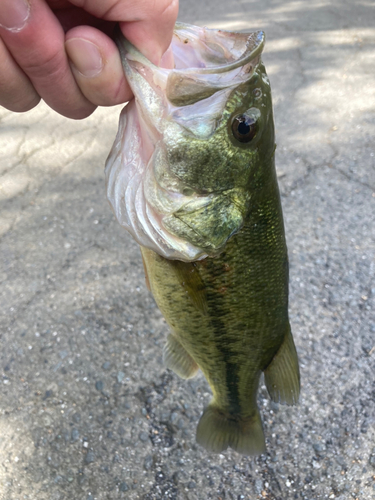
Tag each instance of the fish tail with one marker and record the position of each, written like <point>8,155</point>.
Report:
<point>217,430</point>
<point>282,376</point>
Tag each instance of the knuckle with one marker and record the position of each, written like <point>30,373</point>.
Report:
<point>19,104</point>
<point>51,64</point>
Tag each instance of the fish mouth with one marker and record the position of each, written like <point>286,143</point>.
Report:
<point>219,50</point>
<point>218,59</point>
<point>144,194</point>
<point>206,61</point>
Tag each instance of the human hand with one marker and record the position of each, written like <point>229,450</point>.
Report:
<point>61,51</point>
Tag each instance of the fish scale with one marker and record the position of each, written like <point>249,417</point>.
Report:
<point>246,320</point>
<point>242,290</point>
<point>224,291</point>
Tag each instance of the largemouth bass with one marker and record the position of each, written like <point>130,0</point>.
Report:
<point>191,176</point>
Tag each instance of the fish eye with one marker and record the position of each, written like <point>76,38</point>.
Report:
<point>244,128</point>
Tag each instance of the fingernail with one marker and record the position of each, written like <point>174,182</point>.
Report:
<point>14,14</point>
<point>85,56</point>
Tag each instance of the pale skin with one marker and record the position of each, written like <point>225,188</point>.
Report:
<point>62,52</point>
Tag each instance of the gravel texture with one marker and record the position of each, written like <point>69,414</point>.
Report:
<point>87,410</point>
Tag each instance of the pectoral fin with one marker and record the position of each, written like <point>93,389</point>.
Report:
<point>177,359</point>
<point>188,276</point>
<point>282,376</point>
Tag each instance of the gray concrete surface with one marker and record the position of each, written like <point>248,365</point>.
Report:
<point>87,411</point>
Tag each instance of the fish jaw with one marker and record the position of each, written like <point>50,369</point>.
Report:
<point>154,172</point>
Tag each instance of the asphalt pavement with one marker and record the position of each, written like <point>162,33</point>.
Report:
<point>87,410</point>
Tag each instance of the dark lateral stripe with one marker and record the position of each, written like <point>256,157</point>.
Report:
<point>222,343</point>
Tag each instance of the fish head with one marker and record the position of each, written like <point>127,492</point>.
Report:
<point>194,145</point>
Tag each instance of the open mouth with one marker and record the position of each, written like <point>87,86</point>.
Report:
<point>205,61</point>
<point>169,105</point>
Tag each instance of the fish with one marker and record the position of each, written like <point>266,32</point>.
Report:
<point>191,176</point>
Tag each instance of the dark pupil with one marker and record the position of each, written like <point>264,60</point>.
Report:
<point>244,128</point>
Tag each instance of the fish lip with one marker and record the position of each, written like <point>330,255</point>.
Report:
<point>255,38</point>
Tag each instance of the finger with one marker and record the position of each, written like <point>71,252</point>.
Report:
<point>37,46</point>
<point>16,91</point>
<point>147,24</point>
<point>97,67</point>
<point>152,34</point>
<point>70,16</point>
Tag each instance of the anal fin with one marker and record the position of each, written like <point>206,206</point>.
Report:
<point>217,430</point>
<point>282,376</point>
<point>177,359</point>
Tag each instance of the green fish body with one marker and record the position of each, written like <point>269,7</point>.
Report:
<point>204,205</point>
